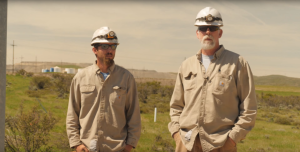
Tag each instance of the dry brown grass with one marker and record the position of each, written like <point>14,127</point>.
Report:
<point>163,82</point>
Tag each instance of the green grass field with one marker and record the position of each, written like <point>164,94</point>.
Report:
<point>69,66</point>
<point>265,136</point>
<point>278,90</point>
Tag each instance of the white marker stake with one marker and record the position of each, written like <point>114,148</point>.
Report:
<point>155,111</point>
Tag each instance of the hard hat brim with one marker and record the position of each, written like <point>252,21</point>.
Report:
<point>105,41</point>
<point>208,24</point>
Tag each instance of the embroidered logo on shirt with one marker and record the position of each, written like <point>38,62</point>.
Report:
<point>221,83</point>
<point>116,87</point>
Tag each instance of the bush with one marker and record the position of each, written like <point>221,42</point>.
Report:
<point>281,102</point>
<point>283,120</point>
<point>33,93</point>
<point>166,91</point>
<point>162,145</point>
<point>62,83</point>
<point>152,94</point>
<point>40,82</point>
<point>7,83</point>
<point>153,87</point>
<point>29,74</point>
<point>21,72</point>
<point>28,131</point>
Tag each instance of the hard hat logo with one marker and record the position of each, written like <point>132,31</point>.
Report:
<point>111,34</point>
<point>209,17</point>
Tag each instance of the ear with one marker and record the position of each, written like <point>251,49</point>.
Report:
<point>220,33</point>
<point>94,50</point>
<point>198,34</point>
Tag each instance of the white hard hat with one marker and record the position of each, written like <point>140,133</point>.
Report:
<point>104,35</point>
<point>209,16</point>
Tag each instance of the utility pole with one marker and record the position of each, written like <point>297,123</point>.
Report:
<point>35,63</point>
<point>3,43</point>
<point>13,62</point>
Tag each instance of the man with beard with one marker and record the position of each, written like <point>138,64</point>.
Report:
<point>103,113</point>
<point>213,105</point>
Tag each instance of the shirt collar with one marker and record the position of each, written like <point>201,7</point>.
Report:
<point>97,70</point>
<point>217,54</point>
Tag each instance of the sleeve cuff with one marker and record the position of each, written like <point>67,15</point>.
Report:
<point>235,136</point>
<point>173,127</point>
<point>73,144</point>
<point>132,142</point>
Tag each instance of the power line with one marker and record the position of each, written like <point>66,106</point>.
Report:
<point>125,57</point>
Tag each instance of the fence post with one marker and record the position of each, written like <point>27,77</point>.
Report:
<point>155,111</point>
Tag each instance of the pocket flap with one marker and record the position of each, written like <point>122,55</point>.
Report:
<point>119,89</point>
<point>188,74</point>
<point>86,89</point>
<point>222,75</point>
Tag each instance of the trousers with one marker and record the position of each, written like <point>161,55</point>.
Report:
<point>227,147</point>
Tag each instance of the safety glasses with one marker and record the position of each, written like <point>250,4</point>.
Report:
<point>211,28</point>
<point>106,46</point>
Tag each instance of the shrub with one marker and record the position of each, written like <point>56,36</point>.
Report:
<point>40,82</point>
<point>152,94</point>
<point>143,92</point>
<point>33,93</point>
<point>283,120</point>
<point>21,72</point>
<point>145,109</point>
<point>281,102</point>
<point>153,87</point>
<point>29,74</point>
<point>28,131</point>
<point>7,83</point>
<point>162,145</point>
<point>166,91</point>
<point>62,83</point>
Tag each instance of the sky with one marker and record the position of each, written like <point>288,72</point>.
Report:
<point>155,35</point>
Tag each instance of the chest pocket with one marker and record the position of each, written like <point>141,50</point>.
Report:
<point>88,94</point>
<point>118,96</point>
<point>222,82</point>
<point>190,81</point>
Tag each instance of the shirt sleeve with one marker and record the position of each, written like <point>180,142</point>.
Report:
<point>132,114</point>
<point>72,120</point>
<point>248,105</point>
<point>176,104</point>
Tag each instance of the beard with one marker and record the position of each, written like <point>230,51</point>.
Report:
<point>207,45</point>
<point>107,61</point>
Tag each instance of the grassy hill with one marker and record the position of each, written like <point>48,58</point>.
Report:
<point>277,80</point>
